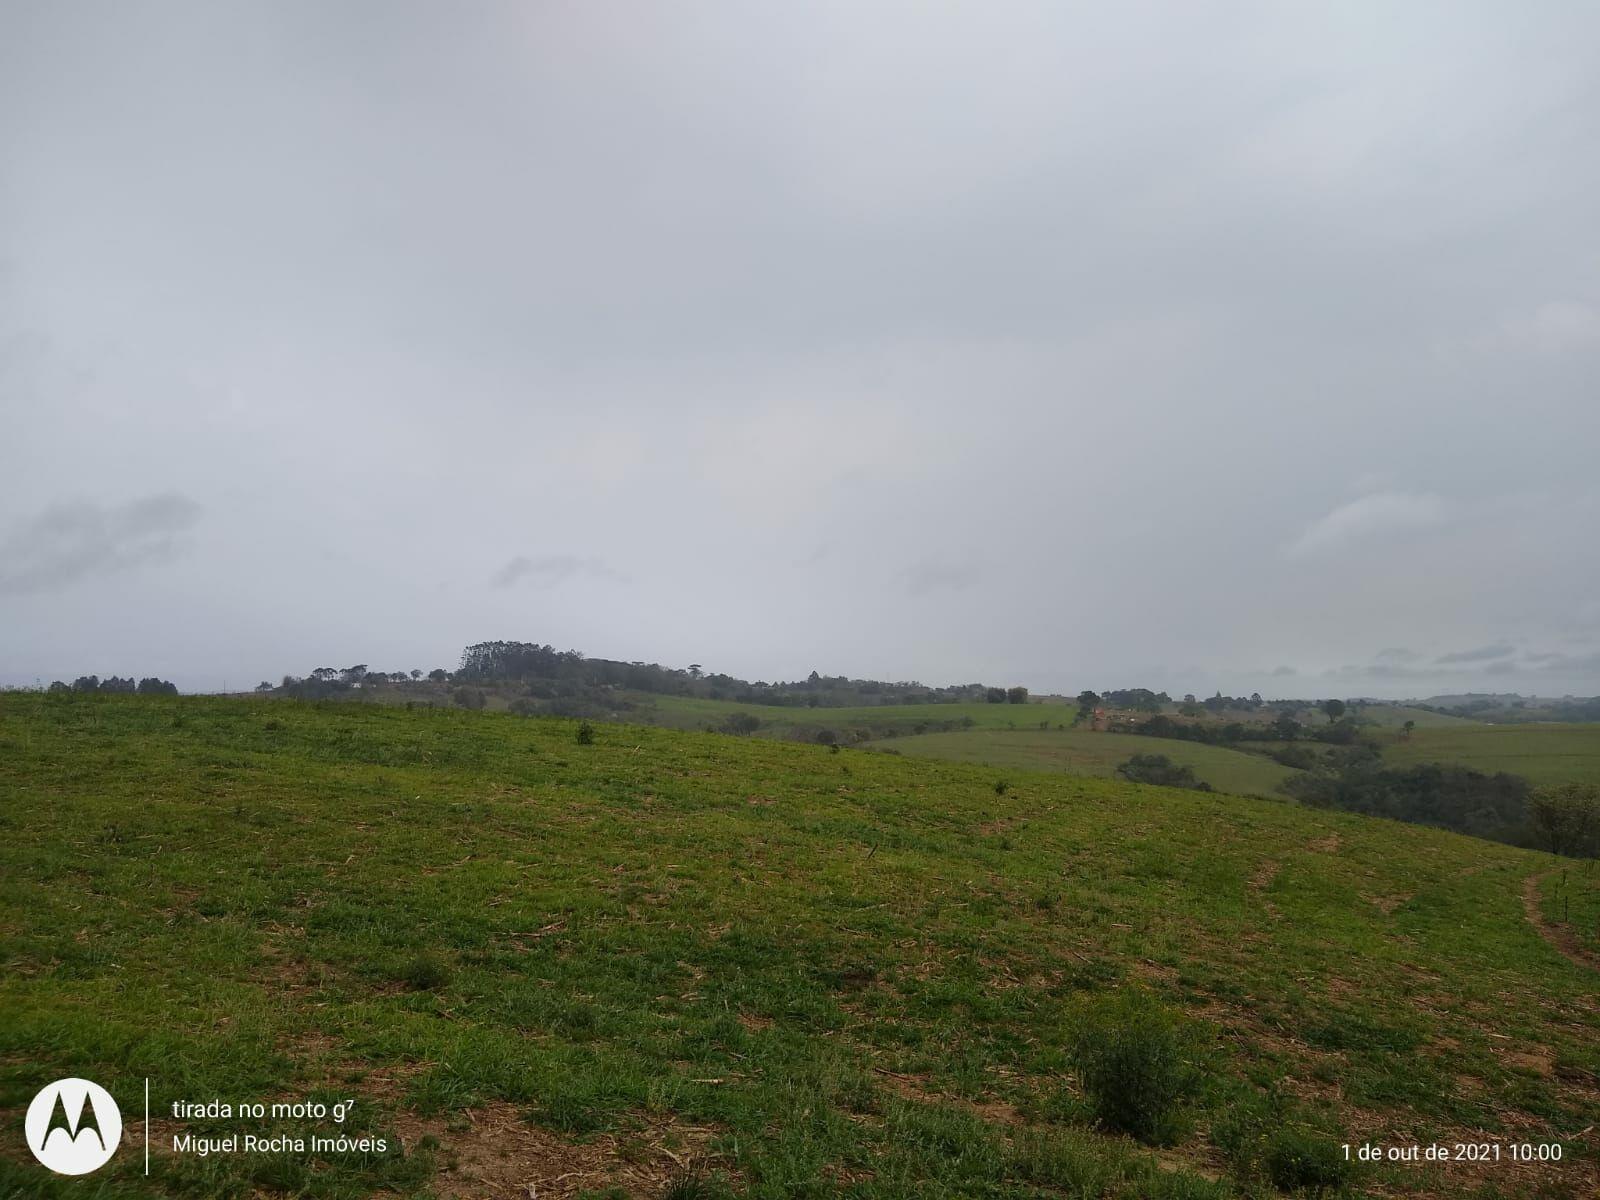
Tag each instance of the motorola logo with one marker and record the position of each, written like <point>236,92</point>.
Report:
<point>73,1126</point>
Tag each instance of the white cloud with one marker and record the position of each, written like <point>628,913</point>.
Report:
<point>1377,515</point>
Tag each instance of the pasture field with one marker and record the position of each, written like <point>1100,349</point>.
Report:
<point>1393,716</point>
<point>1084,752</point>
<point>678,964</point>
<point>688,712</point>
<point>1542,753</point>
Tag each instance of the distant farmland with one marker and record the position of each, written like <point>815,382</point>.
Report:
<point>1083,752</point>
<point>687,712</point>
<point>1541,753</point>
<point>1392,716</point>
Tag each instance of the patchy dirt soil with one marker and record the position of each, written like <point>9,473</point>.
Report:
<point>1558,936</point>
<point>492,1151</point>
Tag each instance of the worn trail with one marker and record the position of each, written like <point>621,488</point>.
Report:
<point>1558,936</point>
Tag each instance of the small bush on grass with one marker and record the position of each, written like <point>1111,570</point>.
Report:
<point>1138,1066</point>
<point>1302,1160</point>
<point>425,973</point>
<point>585,734</point>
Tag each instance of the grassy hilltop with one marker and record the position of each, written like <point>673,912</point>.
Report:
<point>678,963</point>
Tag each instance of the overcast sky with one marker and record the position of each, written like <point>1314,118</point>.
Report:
<point>1238,346</point>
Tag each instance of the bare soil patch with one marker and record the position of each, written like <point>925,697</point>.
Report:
<point>491,1152</point>
<point>1559,937</point>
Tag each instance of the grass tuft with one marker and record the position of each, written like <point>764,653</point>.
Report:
<point>425,972</point>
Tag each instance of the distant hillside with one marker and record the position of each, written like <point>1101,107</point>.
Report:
<point>541,672</point>
<point>1538,752</point>
<point>1083,752</point>
<point>1510,707</point>
<point>1393,716</point>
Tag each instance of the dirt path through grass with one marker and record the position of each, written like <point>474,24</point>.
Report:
<point>1562,939</point>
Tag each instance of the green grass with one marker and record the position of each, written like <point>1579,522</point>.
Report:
<point>1084,752</point>
<point>831,974</point>
<point>687,712</point>
<point>1393,716</point>
<point>1542,753</point>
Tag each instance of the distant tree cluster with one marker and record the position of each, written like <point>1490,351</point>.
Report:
<point>1137,699</point>
<point>1566,819</point>
<point>1489,806</point>
<point>1160,770</point>
<point>150,686</point>
<point>547,673</point>
<point>1015,695</point>
<point>331,681</point>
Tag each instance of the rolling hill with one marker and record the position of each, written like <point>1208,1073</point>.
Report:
<point>685,712</point>
<point>681,964</point>
<point>1084,752</point>
<point>1542,753</point>
<point>1393,716</point>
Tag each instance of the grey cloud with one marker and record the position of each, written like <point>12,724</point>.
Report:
<point>1567,664</point>
<point>1545,656</point>
<point>1398,654</point>
<point>1217,375</point>
<point>551,569</point>
<point>1380,514</point>
<point>1479,654</point>
<point>1375,671</point>
<point>1283,672</point>
<point>925,578</point>
<point>67,543</point>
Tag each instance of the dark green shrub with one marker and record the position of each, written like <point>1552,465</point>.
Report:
<point>586,734</point>
<point>425,973</point>
<point>1137,1063</point>
<point>1160,770</point>
<point>1302,1160</point>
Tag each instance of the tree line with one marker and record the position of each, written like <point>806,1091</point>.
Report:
<point>507,662</point>
<point>150,686</point>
